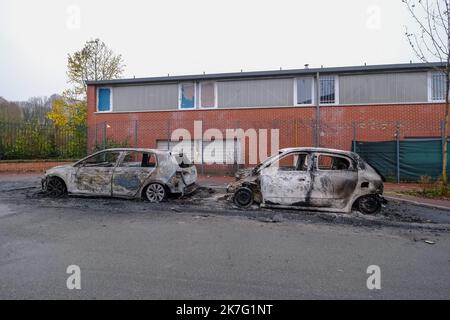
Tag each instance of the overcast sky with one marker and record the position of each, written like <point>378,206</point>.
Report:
<point>194,36</point>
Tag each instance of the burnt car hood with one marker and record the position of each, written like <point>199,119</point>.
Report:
<point>243,173</point>
<point>59,168</point>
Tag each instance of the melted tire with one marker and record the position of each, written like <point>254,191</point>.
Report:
<point>369,205</point>
<point>243,197</point>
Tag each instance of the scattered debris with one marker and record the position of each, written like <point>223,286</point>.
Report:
<point>327,217</point>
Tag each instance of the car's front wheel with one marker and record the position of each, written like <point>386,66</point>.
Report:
<point>155,192</point>
<point>55,187</point>
<point>243,197</point>
<point>369,204</point>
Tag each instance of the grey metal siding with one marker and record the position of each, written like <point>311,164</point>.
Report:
<point>383,88</point>
<point>145,98</point>
<point>255,93</point>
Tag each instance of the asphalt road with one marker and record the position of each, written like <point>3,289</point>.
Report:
<point>129,249</point>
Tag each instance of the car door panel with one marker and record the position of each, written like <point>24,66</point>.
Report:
<point>127,182</point>
<point>333,188</point>
<point>95,178</point>
<point>130,175</point>
<point>286,186</point>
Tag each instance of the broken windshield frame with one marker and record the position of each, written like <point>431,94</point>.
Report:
<point>266,163</point>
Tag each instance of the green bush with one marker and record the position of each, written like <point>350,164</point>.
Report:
<point>32,141</point>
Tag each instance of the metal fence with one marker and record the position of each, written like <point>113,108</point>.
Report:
<point>401,150</point>
<point>33,141</point>
<point>366,138</point>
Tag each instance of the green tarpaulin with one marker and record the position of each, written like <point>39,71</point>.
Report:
<point>416,158</point>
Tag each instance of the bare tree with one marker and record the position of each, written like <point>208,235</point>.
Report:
<point>9,111</point>
<point>35,109</point>
<point>430,41</point>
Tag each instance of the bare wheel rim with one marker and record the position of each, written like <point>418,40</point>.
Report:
<point>369,205</point>
<point>55,187</point>
<point>243,197</point>
<point>155,192</point>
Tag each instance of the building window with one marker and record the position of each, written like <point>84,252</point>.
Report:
<point>328,90</point>
<point>187,95</point>
<point>104,99</point>
<point>304,90</point>
<point>208,95</point>
<point>438,86</point>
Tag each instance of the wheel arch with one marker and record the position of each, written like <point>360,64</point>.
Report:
<point>55,175</point>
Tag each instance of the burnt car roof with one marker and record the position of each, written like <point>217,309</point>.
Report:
<point>325,150</point>
<point>155,151</point>
<point>137,149</point>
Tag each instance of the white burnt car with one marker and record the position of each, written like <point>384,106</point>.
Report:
<point>311,178</point>
<point>128,173</point>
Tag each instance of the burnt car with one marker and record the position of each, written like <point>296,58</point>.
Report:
<point>311,178</point>
<point>127,173</point>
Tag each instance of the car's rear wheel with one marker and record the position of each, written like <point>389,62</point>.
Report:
<point>155,192</point>
<point>243,197</point>
<point>369,204</point>
<point>55,187</point>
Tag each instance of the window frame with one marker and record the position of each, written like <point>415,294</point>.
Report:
<point>336,90</point>
<point>430,88</point>
<point>82,162</point>
<point>280,157</point>
<point>316,94</point>
<point>110,99</point>
<point>200,84</point>
<point>125,153</point>
<point>180,85</point>
<point>350,161</point>
<point>313,90</point>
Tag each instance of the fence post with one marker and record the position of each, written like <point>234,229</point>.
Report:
<point>397,135</point>
<point>354,136</point>
<point>203,161</point>
<point>168,135</point>
<point>104,135</point>
<point>314,132</point>
<point>442,143</point>
<point>96,137</point>
<point>135,133</point>
<point>87,132</point>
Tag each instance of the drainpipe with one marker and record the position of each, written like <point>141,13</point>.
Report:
<point>317,122</point>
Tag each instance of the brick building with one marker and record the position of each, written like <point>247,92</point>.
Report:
<point>330,107</point>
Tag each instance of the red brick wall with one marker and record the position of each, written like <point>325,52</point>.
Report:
<point>31,166</point>
<point>373,123</point>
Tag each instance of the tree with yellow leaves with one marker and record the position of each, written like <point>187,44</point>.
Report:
<point>95,61</point>
<point>68,113</point>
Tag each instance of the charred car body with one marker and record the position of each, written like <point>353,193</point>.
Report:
<point>311,178</point>
<point>127,173</point>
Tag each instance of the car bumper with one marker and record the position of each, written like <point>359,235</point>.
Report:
<point>44,182</point>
